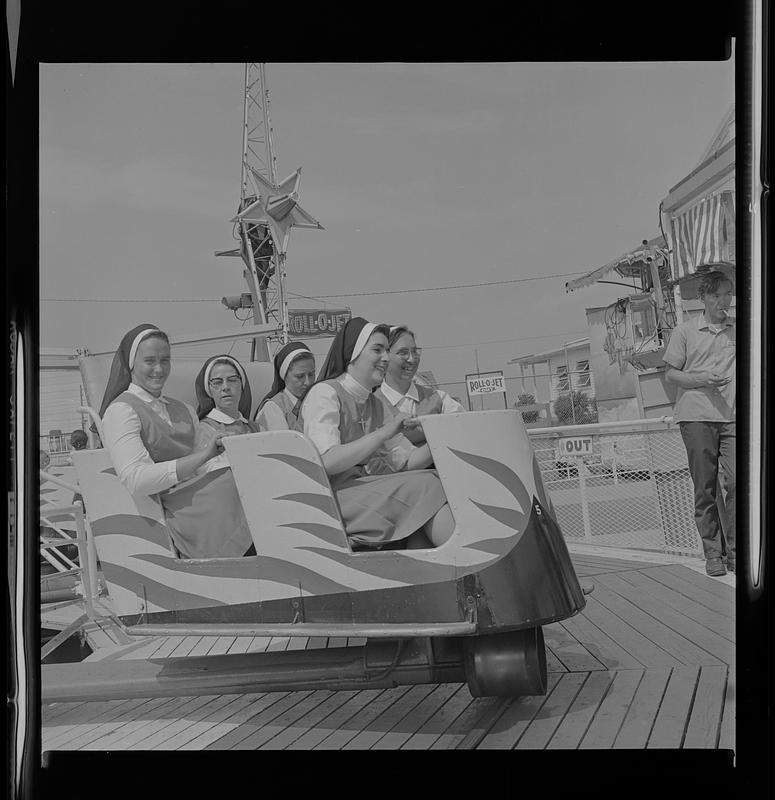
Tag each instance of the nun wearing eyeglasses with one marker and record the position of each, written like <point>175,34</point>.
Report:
<point>294,373</point>
<point>384,491</point>
<point>400,392</point>
<point>154,442</point>
<point>223,403</point>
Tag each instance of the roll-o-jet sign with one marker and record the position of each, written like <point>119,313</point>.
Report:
<point>486,383</point>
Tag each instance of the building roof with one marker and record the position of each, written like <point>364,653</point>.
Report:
<point>628,265</point>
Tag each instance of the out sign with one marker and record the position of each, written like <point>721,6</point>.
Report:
<point>574,446</point>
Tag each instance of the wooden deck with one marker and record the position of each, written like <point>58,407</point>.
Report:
<point>648,664</point>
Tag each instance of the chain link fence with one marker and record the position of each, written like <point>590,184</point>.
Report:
<point>629,487</point>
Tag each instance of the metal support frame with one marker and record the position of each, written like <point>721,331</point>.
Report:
<point>266,281</point>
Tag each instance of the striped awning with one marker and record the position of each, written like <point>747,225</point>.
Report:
<point>703,234</point>
<point>630,264</point>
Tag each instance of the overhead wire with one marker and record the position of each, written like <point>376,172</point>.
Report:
<point>449,287</point>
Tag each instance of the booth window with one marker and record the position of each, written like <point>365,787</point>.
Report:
<point>583,375</point>
<point>561,380</point>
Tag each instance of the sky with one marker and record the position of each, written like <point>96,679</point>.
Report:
<point>423,175</point>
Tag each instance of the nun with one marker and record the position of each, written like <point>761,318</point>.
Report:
<point>294,373</point>
<point>384,492</point>
<point>401,393</point>
<point>152,440</point>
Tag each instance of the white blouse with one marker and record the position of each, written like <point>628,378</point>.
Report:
<point>321,424</point>
<point>271,416</point>
<point>134,466</point>
<point>407,403</point>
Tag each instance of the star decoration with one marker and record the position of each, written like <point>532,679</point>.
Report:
<point>277,207</point>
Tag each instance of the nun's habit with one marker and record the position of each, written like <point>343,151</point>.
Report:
<point>279,410</point>
<point>418,400</point>
<point>145,436</point>
<point>206,409</point>
<point>379,501</point>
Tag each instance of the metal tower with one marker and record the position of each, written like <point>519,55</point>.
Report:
<point>267,211</point>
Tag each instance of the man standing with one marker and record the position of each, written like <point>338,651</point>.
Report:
<point>701,362</point>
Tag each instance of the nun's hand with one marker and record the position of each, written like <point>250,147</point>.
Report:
<point>215,446</point>
<point>393,426</point>
<point>413,424</point>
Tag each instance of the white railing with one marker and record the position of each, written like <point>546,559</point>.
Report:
<point>632,489</point>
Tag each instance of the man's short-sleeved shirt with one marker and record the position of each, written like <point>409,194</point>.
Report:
<point>699,346</point>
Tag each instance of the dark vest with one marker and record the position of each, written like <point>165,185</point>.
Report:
<point>355,421</point>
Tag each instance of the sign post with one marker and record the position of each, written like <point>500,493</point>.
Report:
<point>486,383</point>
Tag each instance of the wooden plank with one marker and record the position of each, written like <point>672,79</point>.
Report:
<point>654,629</point>
<point>361,719</point>
<point>273,727</point>
<point>297,643</point>
<point>443,717</point>
<point>259,644</point>
<point>240,645</point>
<point>603,564</point>
<point>574,725</point>
<point>232,723</point>
<point>356,641</point>
<point>125,734</point>
<point>208,724</point>
<point>510,726</point>
<point>727,731</point>
<point>606,723</point>
<point>705,582</point>
<point>600,644</point>
<point>50,711</point>
<point>487,709</point>
<point>545,723</point>
<point>385,722</point>
<point>106,724</point>
<point>186,646</point>
<point>185,720</point>
<point>336,720</point>
<point>689,589</point>
<point>221,645</point>
<point>294,731</point>
<point>417,717</point>
<point>146,650</point>
<point>167,647</point>
<point>670,724</point>
<point>337,641</point>
<point>204,646</point>
<point>571,653</point>
<point>633,641</point>
<point>722,625</point>
<point>638,721</point>
<point>720,650</point>
<point>62,727</point>
<point>553,664</point>
<point>270,705</point>
<point>317,642</point>
<point>278,643</point>
<point>87,718</point>
<point>478,708</point>
<point>486,720</point>
<point>134,734</point>
<point>705,720</point>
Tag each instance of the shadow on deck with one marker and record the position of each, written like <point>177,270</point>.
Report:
<point>648,664</point>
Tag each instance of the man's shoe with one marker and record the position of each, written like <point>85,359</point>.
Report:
<point>731,564</point>
<point>715,567</point>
